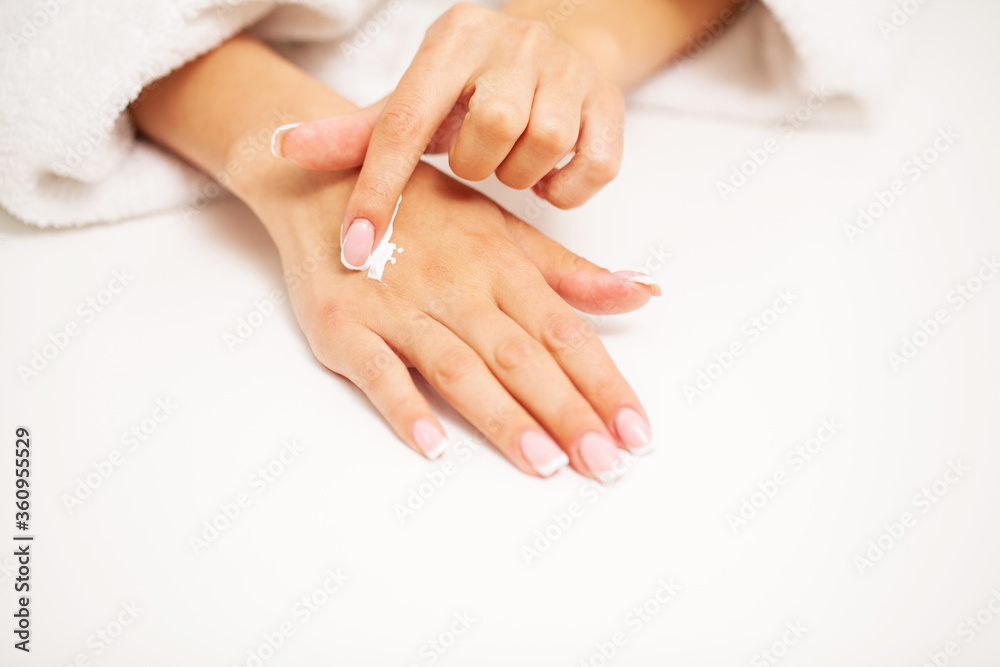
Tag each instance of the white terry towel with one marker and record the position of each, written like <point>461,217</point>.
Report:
<point>69,68</point>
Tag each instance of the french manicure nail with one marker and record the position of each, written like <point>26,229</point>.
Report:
<point>601,456</point>
<point>542,453</point>
<point>278,139</point>
<point>357,248</point>
<point>640,279</point>
<point>429,439</point>
<point>633,429</point>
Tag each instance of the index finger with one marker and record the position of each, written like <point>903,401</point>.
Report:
<point>425,95</point>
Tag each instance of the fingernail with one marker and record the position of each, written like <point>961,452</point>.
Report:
<point>542,453</point>
<point>601,456</point>
<point>641,279</point>
<point>633,429</point>
<point>429,439</point>
<point>358,242</point>
<point>278,139</point>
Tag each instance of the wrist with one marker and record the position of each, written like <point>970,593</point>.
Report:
<point>591,38</point>
<point>299,208</point>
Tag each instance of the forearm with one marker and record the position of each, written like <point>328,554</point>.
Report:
<point>218,113</point>
<point>628,40</point>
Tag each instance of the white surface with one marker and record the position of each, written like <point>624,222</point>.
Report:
<point>334,504</point>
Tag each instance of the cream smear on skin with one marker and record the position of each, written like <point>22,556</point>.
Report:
<point>381,255</point>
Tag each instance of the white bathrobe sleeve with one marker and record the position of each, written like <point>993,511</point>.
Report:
<point>765,58</point>
<point>68,71</point>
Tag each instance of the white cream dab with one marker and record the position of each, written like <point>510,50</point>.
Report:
<point>382,254</point>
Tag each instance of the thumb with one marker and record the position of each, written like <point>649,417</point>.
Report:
<point>582,284</point>
<point>330,144</point>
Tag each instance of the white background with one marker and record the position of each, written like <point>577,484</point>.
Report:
<point>335,505</point>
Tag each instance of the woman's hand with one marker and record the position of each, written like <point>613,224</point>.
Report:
<point>477,303</point>
<point>500,94</point>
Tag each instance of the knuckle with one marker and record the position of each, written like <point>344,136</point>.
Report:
<point>468,164</point>
<point>497,120</point>
<point>399,408</point>
<point>374,372</point>
<point>572,263</point>
<point>565,333</point>
<point>518,353</point>
<point>462,14</point>
<point>603,168</point>
<point>616,100</point>
<point>402,119</point>
<point>467,168</point>
<point>532,31</point>
<point>417,326</point>
<point>553,137</point>
<point>454,365</point>
<point>332,318</point>
<point>613,389</point>
<point>374,188</point>
<point>574,411</point>
<point>497,419</point>
<point>516,176</point>
<point>563,194</point>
